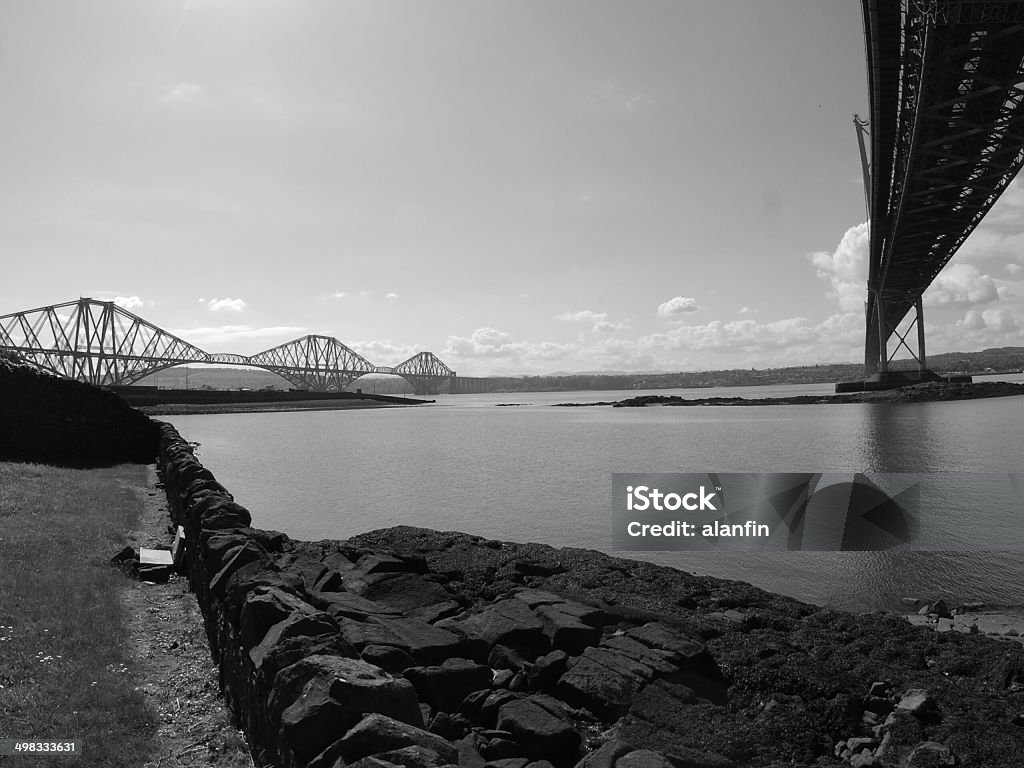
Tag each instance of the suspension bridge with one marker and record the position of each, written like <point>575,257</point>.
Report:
<point>944,138</point>
<point>103,344</point>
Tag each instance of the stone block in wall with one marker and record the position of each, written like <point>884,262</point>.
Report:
<point>377,734</point>
<point>446,685</point>
<point>319,698</point>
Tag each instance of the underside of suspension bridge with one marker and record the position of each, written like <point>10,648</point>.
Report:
<point>946,126</point>
<point>103,344</point>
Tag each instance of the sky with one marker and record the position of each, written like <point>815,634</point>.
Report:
<point>520,187</point>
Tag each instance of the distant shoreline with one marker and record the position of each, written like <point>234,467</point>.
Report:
<point>918,393</point>
<point>181,409</point>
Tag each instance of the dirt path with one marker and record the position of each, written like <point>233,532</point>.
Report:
<point>171,660</point>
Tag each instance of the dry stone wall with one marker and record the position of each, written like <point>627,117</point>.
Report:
<point>334,655</point>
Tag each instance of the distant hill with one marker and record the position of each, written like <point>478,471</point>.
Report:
<point>998,360</point>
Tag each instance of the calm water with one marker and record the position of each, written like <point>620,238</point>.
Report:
<point>534,472</point>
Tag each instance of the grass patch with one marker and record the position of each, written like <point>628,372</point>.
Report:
<point>64,671</point>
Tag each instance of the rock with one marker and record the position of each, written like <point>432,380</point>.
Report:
<point>413,756</point>
<point>565,631</point>
<point>940,609</point>
<point>380,563</point>
<point>469,752</point>
<point>546,670</point>
<point>502,678</point>
<point>500,748</point>
<point>311,570</point>
<point>312,625</point>
<point>604,682</point>
<point>509,762</point>
<point>539,732</point>
<point>361,688</point>
<point>404,591</point>
<point>445,686</point>
<point>930,754</point>
<point>388,657</point>
<point>350,606</point>
<point>288,650</point>
<point>643,758</point>
<point>508,622</point>
<point>263,608</point>
<point>685,757</point>
<point>879,689</point>
<point>919,703</point>
<point>426,643</point>
<point>434,612</point>
<point>377,733</point>
<point>449,726</point>
<point>864,760</point>
<point>606,755</point>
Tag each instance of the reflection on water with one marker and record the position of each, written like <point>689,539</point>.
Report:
<point>540,473</point>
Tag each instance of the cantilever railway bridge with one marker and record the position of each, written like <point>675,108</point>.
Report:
<point>103,344</point>
<point>946,125</point>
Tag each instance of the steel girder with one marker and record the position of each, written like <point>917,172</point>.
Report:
<point>425,372</point>
<point>93,341</point>
<point>316,363</point>
<point>103,344</point>
<point>946,81</point>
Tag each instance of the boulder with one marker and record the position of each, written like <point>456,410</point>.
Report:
<point>539,732</point>
<point>376,733</point>
<point>445,686</point>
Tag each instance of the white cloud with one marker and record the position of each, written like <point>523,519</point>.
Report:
<point>339,295</point>
<point>129,302</point>
<point>484,342</point>
<point>583,316</point>
<point>181,93</point>
<point>676,306</point>
<point>599,320</point>
<point>231,305</point>
<point>960,285</point>
<point>846,269</point>
<point>747,311</point>
<point>391,295</point>
<point>1014,269</point>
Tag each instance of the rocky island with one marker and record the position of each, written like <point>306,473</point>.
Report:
<point>917,393</point>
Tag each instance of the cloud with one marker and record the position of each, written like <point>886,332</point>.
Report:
<point>223,335</point>
<point>960,285</point>
<point>181,93</point>
<point>339,295</point>
<point>747,311</point>
<point>1014,269</point>
<point>130,302</point>
<point>676,306</point>
<point>1001,321</point>
<point>231,305</point>
<point>484,342</point>
<point>846,269</point>
<point>599,320</point>
<point>391,295</point>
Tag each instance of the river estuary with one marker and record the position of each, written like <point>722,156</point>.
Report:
<point>533,472</point>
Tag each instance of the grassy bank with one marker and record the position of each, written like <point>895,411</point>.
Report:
<point>63,632</point>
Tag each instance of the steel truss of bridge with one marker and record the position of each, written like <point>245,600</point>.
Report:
<point>946,82</point>
<point>103,344</point>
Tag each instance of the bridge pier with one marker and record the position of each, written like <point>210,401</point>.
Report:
<point>879,375</point>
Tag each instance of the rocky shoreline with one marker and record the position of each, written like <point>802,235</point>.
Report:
<point>917,393</point>
<point>411,647</point>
